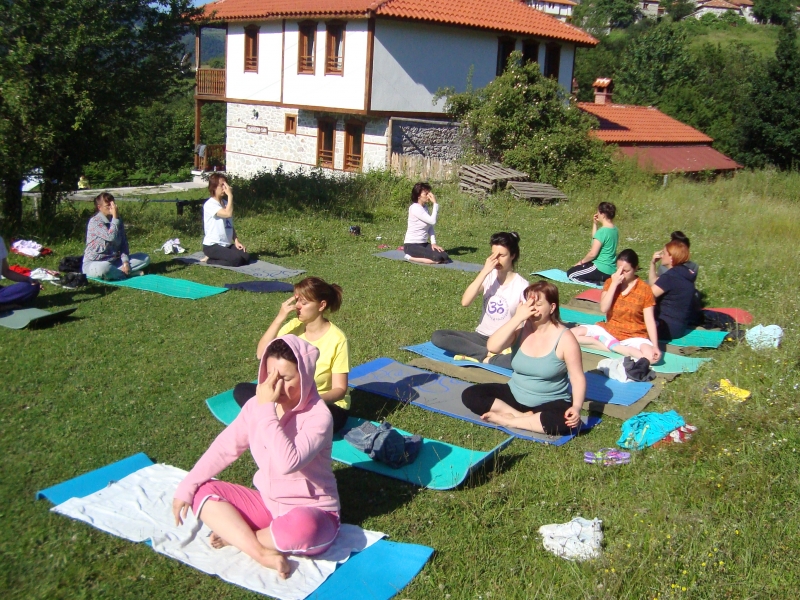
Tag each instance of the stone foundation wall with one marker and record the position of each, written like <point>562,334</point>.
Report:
<point>247,153</point>
<point>442,141</point>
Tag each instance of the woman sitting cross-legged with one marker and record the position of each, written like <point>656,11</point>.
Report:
<point>420,228</point>
<point>502,292</point>
<point>629,306</point>
<point>312,298</point>
<point>598,264</point>
<point>289,432</point>
<point>547,358</point>
<point>675,291</point>
<point>221,244</point>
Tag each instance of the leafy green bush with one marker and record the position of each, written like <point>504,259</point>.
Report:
<point>526,121</point>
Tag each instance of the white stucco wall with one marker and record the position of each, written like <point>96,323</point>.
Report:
<point>249,153</point>
<point>413,60</point>
<point>265,85</point>
<point>345,91</point>
<point>565,66</point>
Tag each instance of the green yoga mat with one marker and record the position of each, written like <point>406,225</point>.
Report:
<point>669,363</point>
<point>439,466</point>
<point>167,286</point>
<point>569,315</point>
<point>34,317</point>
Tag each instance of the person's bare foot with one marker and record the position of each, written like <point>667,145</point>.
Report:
<point>489,357</point>
<point>204,259</point>
<point>275,560</point>
<point>216,541</point>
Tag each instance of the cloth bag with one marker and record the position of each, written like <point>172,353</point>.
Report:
<point>384,443</point>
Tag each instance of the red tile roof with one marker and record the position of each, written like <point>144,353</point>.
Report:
<point>507,16</point>
<point>621,123</point>
<point>718,4</point>
<point>683,158</point>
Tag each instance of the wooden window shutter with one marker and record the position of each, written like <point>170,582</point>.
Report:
<point>306,47</point>
<point>326,142</point>
<point>251,49</point>
<point>353,146</point>
<point>334,48</point>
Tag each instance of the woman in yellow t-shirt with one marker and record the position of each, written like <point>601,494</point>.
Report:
<point>312,298</point>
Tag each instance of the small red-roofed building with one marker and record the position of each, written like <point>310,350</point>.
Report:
<point>658,142</point>
<point>348,84</point>
<point>717,8</point>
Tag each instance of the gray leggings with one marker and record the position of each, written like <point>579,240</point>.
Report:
<point>110,269</point>
<point>469,343</point>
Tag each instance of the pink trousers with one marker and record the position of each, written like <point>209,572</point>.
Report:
<point>303,530</point>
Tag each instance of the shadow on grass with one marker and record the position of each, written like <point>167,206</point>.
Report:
<point>93,291</point>
<point>502,463</point>
<point>461,250</point>
<point>364,494</point>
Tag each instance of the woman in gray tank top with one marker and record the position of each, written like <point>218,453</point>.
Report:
<point>547,358</point>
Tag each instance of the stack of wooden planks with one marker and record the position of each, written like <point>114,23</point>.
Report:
<point>541,192</point>
<point>485,179</point>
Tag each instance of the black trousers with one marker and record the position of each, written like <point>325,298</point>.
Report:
<point>479,399</point>
<point>226,256</point>
<point>587,273</point>
<point>425,251</point>
<point>470,343</point>
<point>244,391</point>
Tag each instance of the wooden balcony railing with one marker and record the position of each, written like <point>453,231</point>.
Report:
<point>210,82</point>
<point>306,64</point>
<point>214,157</point>
<point>334,64</point>
<point>325,158</point>
<point>352,162</point>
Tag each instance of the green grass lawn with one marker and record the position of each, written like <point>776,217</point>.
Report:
<point>762,39</point>
<point>715,518</point>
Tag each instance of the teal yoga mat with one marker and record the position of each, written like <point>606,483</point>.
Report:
<point>33,317</point>
<point>669,363</point>
<point>167,286</point>
<point>561,277</point>
<point>439,466</point>
<point>700,338</point>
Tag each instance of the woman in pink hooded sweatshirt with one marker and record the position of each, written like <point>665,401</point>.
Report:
<point>289,432</point>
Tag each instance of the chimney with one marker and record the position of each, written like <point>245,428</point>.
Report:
<point>603,86</point>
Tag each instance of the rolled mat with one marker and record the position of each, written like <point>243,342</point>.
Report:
<point>256,268</point>
<point>456,265</point>
<point>377,572</point>
<point>669,363</point>
<point>21,318</point>
<point>261,287</point>
<point>437,393</point>
<point>598,387</point>
<point>439,466</point>
<point>561,277</point>
<point>167,286</point>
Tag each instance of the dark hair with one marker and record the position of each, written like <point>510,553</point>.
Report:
<point>679,236</point>
<point>550,293</point>
<point>678,251</point>
<point>508,240</point>
<point>280,349</point>
<point>607,209</point>
<point>317,290</point>
<point>417,190</point>
<point>103,197</point>
<point>630,257</point>
<point>214,181</point>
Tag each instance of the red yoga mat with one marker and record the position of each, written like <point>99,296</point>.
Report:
<point>741,316</point>
<point>590,295</point>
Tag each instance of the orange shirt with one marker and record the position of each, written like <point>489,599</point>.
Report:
<point>625,319</point>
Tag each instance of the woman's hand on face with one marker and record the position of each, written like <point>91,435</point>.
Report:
<point>431,198</point>
<point>179,510</point>
<point>490,263</point>
<point>526,309</point>
<point>617,277</point>
<point>657,257</point>
<point>572,416</point>
<point>287,306</point>
<point>596,217</point>
<point>270,390</point>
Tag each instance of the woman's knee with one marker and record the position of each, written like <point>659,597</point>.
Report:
<point>305,530</point>
<point>98,269</point>
<point>476,398</point>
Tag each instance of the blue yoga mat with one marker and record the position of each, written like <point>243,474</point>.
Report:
<point>437,393</point>
<point>167,286</point>
<point>439,466</point>
<point>561,277</point>
<point>378,573</point>
<point>456,265</point>
<point>598,387</point>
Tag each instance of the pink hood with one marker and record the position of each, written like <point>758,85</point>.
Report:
<point>293,453</point>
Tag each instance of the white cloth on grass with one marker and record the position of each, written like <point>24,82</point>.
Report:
<point>139,507</point>
<point>27,247</point>
<point>763,337</point>
<point>44,274</point>
<point>579,539</point>
<point>173,247</point>
<point>613,368</point>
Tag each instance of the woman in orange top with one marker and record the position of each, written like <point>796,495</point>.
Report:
<point>629,306</point>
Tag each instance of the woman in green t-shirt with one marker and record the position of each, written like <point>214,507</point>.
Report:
<point>601,260</point>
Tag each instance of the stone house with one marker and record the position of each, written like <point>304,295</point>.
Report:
<point>560,9</point>
<point>348,85</point>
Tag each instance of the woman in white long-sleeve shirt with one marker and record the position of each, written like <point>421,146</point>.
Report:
<point>420,228</point>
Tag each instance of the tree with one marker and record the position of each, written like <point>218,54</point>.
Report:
<point>772,127</point>
<point>598,15</point>
<point>777,12</point>
<point>655,61</point>
<point>680,9</point>
<point>71,72</point>
<point>526,121</point>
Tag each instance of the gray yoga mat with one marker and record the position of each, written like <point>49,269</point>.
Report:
<point>258,268</point>
<point>21,318</point>
<point>456,265</point>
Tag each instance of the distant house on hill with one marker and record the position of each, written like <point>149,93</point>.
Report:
<point>717,8</point>
<point>659,143</point>
<point>651,8</point>
<point>560,9</point>
<point>348,85</point>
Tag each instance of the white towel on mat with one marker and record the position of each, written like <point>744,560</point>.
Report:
<point>139,508</point>
<point>580,539</point>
